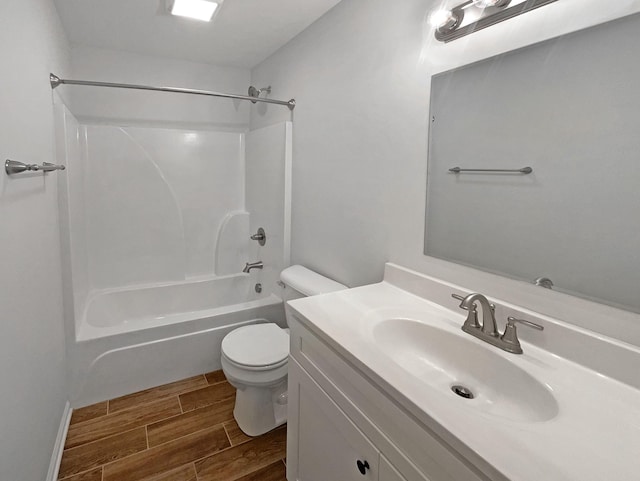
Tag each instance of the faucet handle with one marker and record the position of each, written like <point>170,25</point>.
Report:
<point>260,236</point>
<point>513,321</point>
<point>510,336</point>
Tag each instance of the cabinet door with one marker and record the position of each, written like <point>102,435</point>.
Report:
<point>329,446</point>
<point>388,472</point>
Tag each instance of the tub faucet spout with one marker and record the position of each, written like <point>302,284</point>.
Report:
<point>252,265</point>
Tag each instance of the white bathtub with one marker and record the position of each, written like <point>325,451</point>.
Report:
<point>135,338</point>
<point>113,311</point>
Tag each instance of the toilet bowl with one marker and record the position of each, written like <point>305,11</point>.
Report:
<point>254,359</point>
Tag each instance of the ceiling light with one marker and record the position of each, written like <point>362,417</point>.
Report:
<point>197,9</point>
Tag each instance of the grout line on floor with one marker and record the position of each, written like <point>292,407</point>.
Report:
<point>189,434</point>
<point>216,383</point>
<point>180,404</point>
<point>78,474</point>
<point>227,433</point>
<point>234,446</point>
<point>144,403</point>
<point>210,455</point>
<point>101,439</point>
<point>104,464</point>
<point>146,434</point>
<point>120,412</point>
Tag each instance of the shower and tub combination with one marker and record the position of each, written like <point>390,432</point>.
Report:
<point>157,224</point>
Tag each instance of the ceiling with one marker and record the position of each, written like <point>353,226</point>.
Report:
<point>243,33</point>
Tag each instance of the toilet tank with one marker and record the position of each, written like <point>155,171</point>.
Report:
<point>302,282</point>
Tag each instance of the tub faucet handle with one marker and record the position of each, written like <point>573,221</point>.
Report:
<point>260,236</point>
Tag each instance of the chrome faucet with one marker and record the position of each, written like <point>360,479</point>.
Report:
<point>488,326</point>
<point>488,330</point>
<point>252,265</point>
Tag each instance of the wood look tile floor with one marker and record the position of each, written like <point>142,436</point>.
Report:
<point>183,431</point>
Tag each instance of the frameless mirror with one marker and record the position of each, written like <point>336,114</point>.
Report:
<point>568,108</point>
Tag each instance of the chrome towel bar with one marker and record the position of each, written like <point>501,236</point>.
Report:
<point>14,167</point>
<point>524,170</point>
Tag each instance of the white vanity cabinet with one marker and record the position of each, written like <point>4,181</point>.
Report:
<point>341,427</point>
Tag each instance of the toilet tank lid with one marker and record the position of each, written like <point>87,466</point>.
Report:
<point>307,282</point>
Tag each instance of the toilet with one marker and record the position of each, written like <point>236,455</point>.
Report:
<point>255,358</point>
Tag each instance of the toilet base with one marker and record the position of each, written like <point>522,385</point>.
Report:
<point>259,410</point>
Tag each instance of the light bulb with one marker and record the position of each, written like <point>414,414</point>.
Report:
<point>445,20</point>
<point>490,3</point>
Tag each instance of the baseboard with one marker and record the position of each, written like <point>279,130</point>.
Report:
<point>56,456</point>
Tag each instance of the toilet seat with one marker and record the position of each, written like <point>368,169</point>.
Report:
<point>257,347</point>
<point>253,368</point>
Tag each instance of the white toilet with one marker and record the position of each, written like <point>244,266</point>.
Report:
<point>254,358</point>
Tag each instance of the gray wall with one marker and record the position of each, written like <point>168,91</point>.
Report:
<point>32,350</point>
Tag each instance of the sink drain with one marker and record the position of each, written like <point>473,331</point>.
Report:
<point>462,392</point>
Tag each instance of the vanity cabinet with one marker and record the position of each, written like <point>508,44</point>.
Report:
<point>342,427</point>
<point>329,445</point>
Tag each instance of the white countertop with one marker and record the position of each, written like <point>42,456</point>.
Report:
<point>595,435</point>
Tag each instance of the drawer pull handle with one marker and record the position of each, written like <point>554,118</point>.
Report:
<point>362,466</point>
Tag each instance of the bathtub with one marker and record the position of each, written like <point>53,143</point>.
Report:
<point>116,311</point>
<point>136,338</point>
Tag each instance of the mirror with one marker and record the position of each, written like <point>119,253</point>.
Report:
<point>569,108</point>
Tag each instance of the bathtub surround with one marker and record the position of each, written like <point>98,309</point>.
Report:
<point>32,349</point>
<point>169,432</point>
<point>269,162</point>
<point>157,209</point>
<point>360,76</point>
<point>159,196</point>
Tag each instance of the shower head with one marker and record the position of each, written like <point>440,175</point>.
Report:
<point>254,92</point>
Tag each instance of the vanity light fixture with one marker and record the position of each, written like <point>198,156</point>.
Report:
<point>197,9</point>
<point>449,24</point>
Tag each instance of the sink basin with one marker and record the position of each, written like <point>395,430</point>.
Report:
<point>446,360</point>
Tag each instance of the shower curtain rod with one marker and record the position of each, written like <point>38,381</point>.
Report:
<point>57,81</point>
